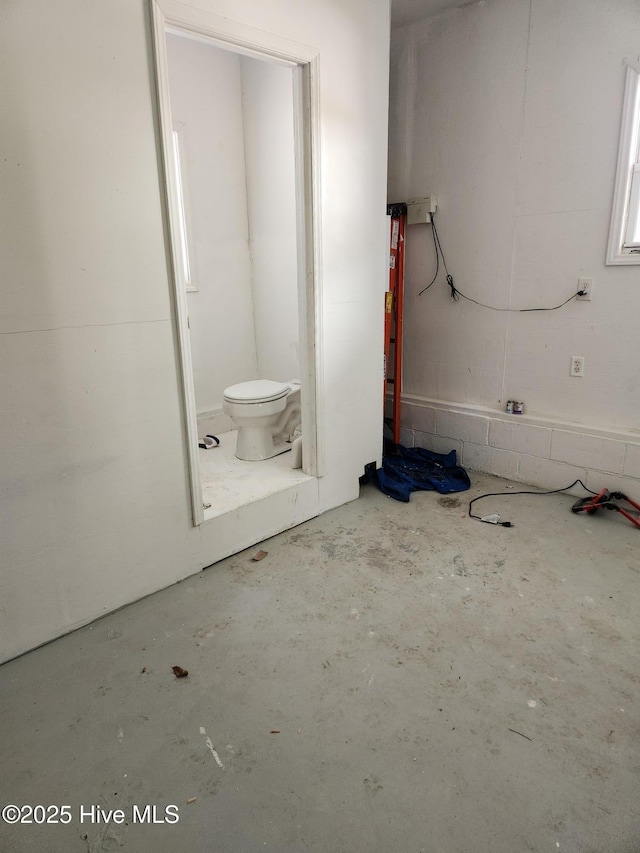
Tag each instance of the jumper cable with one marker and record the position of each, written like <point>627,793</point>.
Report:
<point>605,500</point>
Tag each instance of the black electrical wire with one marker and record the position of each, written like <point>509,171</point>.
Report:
<point>515,310</point>
<point>435,275</point>
<point>435,231</point>
<point>510,494</point>
<point>457,294</point>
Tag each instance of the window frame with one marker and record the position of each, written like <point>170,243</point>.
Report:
<point>625,214</point>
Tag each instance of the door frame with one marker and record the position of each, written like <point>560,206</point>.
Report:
<point>172,16</point>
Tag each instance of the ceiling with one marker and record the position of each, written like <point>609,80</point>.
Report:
<point>409,11</point>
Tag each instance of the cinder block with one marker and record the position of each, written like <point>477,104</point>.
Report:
<point>522,438</point>
<point>587,451</point>
<point>631,466</point>
<point>437,443</point>
<point>406,437</point>
<point>463,426</point>
<point>491,460</point>
<point>548,474</point>
<point>414,416</point>
<point>598,480</point>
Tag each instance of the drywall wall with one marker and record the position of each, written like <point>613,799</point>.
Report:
<point>267,106</point>
<point>95,503</point>
<point>206,98</point>
<point>509,112</point>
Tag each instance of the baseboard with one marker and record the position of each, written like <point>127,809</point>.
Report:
<point>538,451</point>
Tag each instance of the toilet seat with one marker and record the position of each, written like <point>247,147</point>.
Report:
<point>256,391</point>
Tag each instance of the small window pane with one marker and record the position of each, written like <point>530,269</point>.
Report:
<point>633,227</point>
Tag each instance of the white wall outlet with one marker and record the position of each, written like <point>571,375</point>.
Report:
<point>577,365</point>
<point>586,286</point>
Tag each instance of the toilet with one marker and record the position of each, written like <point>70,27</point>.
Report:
<point>267,414</point>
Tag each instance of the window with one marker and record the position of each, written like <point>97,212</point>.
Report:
<point>624,235</point>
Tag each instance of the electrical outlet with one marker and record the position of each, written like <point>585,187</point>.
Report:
<point>586,286</point>
<point>577,365</point>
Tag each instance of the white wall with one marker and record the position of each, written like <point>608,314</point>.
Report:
<point>267,106</point>
<point>509,111</point>
<point>95,505</point>
<point>206,95</point>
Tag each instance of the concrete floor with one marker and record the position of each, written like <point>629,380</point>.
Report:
<point>391,678</point>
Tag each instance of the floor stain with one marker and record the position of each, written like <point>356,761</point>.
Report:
<point>449,503</point>
<point>372,784</point>
<point>460,566</point>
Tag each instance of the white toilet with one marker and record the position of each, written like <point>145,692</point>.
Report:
<point>267,414</point>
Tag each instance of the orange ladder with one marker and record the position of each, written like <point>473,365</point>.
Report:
<point>393,310</point>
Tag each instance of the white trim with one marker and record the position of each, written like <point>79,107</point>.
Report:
<point>307,141</point>
<point>231,34</point>
<point>186,242</point>
<point>179,292</point>
<point>627,155</point>
<point>171,16</point>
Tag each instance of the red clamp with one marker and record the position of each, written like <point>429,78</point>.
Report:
<point>605,500</point>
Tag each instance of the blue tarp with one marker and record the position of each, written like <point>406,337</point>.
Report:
<point>409,469</point>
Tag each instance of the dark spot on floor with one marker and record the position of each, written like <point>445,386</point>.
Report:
<point>449,503</point>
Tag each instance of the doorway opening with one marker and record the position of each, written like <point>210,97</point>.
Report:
<point>238,145</point>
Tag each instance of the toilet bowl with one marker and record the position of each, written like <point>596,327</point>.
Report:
<point>266,413</point>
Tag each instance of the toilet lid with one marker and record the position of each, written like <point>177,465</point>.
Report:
<point>256,391</point>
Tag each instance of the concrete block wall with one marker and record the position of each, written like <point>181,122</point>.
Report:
<point>530,450</point>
